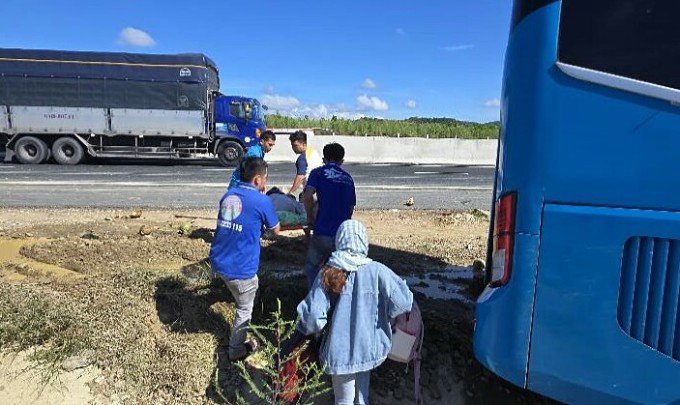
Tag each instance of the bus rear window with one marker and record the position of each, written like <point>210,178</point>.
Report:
<point>636,39</point>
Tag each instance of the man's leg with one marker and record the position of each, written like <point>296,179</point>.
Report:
<point>320,249</point>
<point>243,292</point>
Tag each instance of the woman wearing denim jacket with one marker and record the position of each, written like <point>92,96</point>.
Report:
<point>355,298</point>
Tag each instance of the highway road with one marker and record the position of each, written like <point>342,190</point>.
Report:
<point>200,185</point>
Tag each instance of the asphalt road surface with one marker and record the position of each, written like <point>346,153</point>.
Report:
<point>200,185</point>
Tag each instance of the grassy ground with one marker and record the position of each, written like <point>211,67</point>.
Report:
<point>146,314</point>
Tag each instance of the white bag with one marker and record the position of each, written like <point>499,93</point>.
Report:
<point>402,346</point>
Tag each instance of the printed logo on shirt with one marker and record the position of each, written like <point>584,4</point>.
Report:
<point>336,175</point>
<point>231,208</point>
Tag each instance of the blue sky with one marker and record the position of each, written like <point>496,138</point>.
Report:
<point>391,59</point>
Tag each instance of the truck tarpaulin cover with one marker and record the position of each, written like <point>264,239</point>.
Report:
<point>106,79</point>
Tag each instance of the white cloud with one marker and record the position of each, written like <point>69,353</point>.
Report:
<point>316,111</point>
<point>372,103</point>
<point>324,111</point>
<point>493,103</point>
<point>268,89</point>
<point>135,37</point>
<point>369,84</point>
<point>456,48</point>
<point>350,115</point>
<point>400,31</point>
<point>411,104</point>
<point>278,102</point>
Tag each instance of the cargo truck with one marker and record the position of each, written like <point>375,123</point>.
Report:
<point>65,106</point>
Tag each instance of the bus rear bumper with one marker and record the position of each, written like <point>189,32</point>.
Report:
<point>504,315</point>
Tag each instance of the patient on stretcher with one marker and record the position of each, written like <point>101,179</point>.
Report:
<point>291,212</point>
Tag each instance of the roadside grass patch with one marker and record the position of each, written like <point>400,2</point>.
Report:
<point>43,323</point>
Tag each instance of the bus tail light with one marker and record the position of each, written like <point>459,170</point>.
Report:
<point>503,240</point>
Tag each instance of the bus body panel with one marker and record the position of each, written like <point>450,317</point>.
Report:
<point>510,309</point>
<point>582,158</point>
<point>502,340</point>
<point>579,348</point>
<point>611,148</point>
<point>529,56</point>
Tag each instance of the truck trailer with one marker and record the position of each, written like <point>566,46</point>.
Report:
<point>66,105</point>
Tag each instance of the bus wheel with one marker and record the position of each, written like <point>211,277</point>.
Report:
<point>67,151</point>
<point>31,150</point>
<point>229,153</point>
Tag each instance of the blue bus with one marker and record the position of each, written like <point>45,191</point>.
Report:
<point>582,303</point>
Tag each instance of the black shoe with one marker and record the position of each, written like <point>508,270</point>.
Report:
<point>251,347</point>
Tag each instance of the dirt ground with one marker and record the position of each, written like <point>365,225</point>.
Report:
<point>113,307</point>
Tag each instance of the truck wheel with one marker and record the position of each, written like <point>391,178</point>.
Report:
<point>31,150</point>
<point>229,153</point>
<point>67,151</point>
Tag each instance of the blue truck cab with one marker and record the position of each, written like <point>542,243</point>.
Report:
<point>239,123</point>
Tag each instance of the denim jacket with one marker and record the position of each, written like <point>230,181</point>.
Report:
<point>359,335</point>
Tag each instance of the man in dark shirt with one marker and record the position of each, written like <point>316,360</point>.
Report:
<point>336,197</point>
<point>308,159</point>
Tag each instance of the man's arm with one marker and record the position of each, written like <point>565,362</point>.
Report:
<point>269,218</point>
<point>301,173</point>
<point>297,182</point>
<point>354,200</point>
<point>308,200</point>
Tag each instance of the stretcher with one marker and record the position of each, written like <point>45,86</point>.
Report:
<point>293,227</point>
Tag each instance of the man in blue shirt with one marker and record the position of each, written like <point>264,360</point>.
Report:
<point>235,251</point>
<point>336,197</point>
<point>267,142</point>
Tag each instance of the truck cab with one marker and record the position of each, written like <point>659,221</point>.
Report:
<point>239,123</point>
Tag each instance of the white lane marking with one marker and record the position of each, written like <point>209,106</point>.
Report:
<point>433,187</point>
<point>447,173</point>
<point>89,173</point>
<point>220,185</point>
<point>383,189</point>
<point>7,167</point>
<point>162,174</point>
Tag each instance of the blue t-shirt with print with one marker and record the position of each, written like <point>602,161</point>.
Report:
<point>336,195</point>
<point>254,151</point>
<point>235,250</point>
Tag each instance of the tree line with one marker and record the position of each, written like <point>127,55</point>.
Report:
<point>411,127</point>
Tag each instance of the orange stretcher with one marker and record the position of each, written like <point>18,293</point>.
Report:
<point>296,227</point>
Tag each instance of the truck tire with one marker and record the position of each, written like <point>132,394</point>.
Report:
<point>67,151</point>
<point>229,153</point>
<point>30,150</point>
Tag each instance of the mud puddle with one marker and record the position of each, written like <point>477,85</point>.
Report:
<point>17,267</point>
